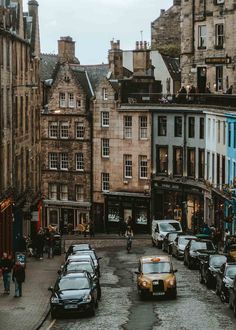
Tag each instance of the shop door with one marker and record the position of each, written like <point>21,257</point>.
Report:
<point>201,79</point>
<point>127,215</point>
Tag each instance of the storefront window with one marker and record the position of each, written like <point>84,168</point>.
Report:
<point>141,217</point>
<point>113,214</point>
<point>162,160</point>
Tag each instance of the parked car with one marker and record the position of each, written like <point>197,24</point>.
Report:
<point>77,247</point>
<point>91,253</point>
<point>179,245</point>
<point>224,280</point>
<point>73,293</point>
<point>168,241</point>
<point>232,296</point>
<point>155,277</point>
<point>195,249</point>
<point>80,258</point>
<point>82,265</point>
<point>161,227</point>
<point>208,268</point>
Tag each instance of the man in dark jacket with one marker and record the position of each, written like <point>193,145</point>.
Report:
<point>18,276</point>
<point>6,265</point>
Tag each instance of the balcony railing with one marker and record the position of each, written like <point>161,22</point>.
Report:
<point>225,100</point>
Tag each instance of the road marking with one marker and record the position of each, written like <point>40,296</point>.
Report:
<point>51,325</point>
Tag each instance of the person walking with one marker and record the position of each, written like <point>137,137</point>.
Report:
<point>18,277</point>
<point>91,229</point>
<point>226,236</point>
<point>6,265</point>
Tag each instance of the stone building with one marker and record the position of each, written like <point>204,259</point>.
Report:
<point>165,31</point>
<point>208,45</point>
<point>20,111</point>
<point>122,141</point>
<point>66,139</point>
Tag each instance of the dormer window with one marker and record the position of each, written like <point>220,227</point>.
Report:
<point>71,100</point>
<point>62,100</point>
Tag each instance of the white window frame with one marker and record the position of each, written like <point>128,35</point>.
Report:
<point>79,128</point>
<point>219,35</point>
<point>53,130</point>
<point>53,161</point>
<point>105,118</point>
<point>128,127</point>
<point>79,162</point>
<point>143,167</point>
<point>64,192</point>
<point>62,100</point>
<point>64,161</point>
<point>219,77</point>
<point>79,193</point>
<point>105,148</point>
<point>105,178</point>
<point>64,130</point>
<point>52,191</point>
<point>71,100</point>
<point>128,166</point>
<point>143,127</point>
<point>104,94</point>
<point>202,36</point>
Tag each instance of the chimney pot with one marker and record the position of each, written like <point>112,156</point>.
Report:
<point>162,11</point>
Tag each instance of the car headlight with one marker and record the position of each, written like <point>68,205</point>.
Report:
<point>87,298</point>
<point>171,282</point>
<point>54,300</point>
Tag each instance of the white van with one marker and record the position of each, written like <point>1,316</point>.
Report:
<point>161,227</point>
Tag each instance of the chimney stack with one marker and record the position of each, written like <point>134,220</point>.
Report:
<point>66,50</point>
<point>115,59</point>
<point>141,59</point>
<point>35,41</point>
<point>163,11</point>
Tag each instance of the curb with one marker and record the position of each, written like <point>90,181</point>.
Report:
<point>43,319</point>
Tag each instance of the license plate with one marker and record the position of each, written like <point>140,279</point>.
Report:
<point>70,306</point>
<point>158,293</point>
<point>155,282</point>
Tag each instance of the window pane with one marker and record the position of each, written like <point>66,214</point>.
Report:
<point>53,129</point>
<point>127,127</point>
<point>143,167</point>
<point>64,130</point>
<point>202,128</point>
<point>52,190</point>
<point>178,161</point>
<point>79,192</point>
<point>178,126</point>
<point>105,119</point>
<point>71,100</point>
<point>162,125</point>
<point>143,127</point>
<point>79,162</point>
<point>62,100</point>
<point>191,162</point>
<point>64,161</point>
<point>105,148</point>
<point>162,160</point>
<point>105,182</point>
<point>64,192</point>
<point>79,130</point>
<point>191,127</point>
<point>128,166</point>
<point>53,161</point>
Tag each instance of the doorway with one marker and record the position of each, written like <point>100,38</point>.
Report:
<point>201,79</point>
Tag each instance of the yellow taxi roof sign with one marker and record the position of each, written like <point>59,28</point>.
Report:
<point>155,260</point>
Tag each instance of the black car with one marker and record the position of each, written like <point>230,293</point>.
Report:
<point>167,242</point>
<point>224,280</point>
<point>232,296</point>
<point>73,293</point>
<point>195,249</point>
<point>81,265</point>
<point>77,247</point>
<point>179,245</point>
<point>95,258</point>
<point>208,268</point>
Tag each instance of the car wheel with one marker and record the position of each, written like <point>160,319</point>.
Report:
<point>159,245</point>
<point>54,315</point>
<point>217,290</point>
<point>190,265</point>
<point>141,294</point>
<point>92,311</point>
<point>185,262</point>
<point>173,293</point>
<point>99,292</point>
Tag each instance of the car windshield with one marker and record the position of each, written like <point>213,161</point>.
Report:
<point>217,261</point>
<point>156,267</point>
<point>78,266</point>
<point>169,226</point>
<point>87,252</point>
<point>184,240</point>
<point>75,283</point>
<point>231,271</point>
<point>172,237</point>
<point>201,246</point>
<point>83,247</point>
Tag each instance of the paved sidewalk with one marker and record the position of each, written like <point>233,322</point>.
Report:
<point>27,312</point>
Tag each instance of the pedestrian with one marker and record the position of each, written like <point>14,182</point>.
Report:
<point>191,94</point>
<point>51,246</point>
<point>226,236</point>
<point>229,90</point>
<point>181,95</point>
<point>85,229</point>
<point>18,277</point>
<point>6,265</point>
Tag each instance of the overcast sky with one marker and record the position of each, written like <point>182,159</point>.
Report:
<point>93,23</point>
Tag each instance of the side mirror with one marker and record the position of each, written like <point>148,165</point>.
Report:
<point>175,270</point>
<point>156,230</point>
<point>59,272</point>
<point>50,289</point>
<point>137,273</point>
<point>99,258</point>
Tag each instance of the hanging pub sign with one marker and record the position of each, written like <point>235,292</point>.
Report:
<point>218,60</point>
<point>5,204</point>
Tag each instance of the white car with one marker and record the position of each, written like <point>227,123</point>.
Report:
<point>161,227</point>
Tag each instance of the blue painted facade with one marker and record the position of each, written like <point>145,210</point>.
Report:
<point>230,205</point>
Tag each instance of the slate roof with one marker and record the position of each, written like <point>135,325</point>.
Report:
<point>173,66</point>
<point>96,73</point>
<point>48,65</point>
<point>83,79</point>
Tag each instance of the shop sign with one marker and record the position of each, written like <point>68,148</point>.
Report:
<point>218,60</point>
<point>5,204</point>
